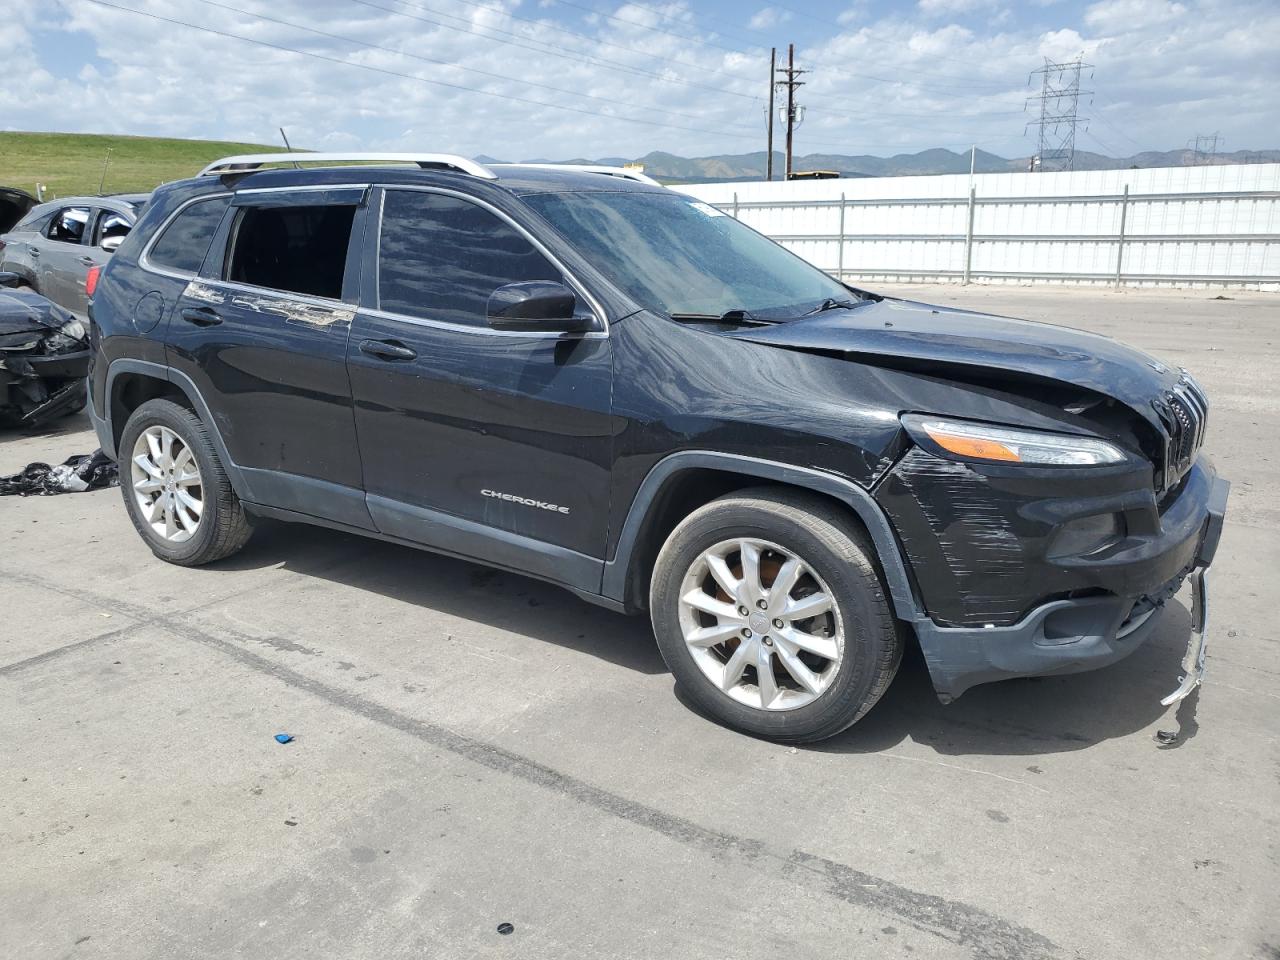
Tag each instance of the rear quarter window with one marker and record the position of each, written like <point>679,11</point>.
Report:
<point>35,222</point>
<point>184,242</point>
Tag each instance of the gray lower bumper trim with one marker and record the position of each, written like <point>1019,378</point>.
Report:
<point>1065,636</point>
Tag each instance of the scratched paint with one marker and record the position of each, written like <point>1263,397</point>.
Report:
<point>278,305</point>
<point>956,524</point>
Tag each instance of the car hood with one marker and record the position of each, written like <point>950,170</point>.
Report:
<point>23,310</point>
<point>925,337</point>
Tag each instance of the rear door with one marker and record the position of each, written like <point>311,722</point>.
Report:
<point>60,256</point>
<point>107,224</point>
<point>262,331</point>
<point>490,444</point>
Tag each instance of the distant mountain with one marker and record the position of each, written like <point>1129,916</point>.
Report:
<point>751,166</point>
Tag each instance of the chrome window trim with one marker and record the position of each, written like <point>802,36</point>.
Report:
<point>305,188</point>
<point>484,330</point>
<point>144,258</point>
<point>577,285</point>
<point>236,286</point>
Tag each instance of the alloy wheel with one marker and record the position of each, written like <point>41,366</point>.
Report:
<point>166,484</point>
<point>761,624</point>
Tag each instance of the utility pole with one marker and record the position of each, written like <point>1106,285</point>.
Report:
<point>1059,97</point>
<point>1204,148</point>
<point>795,113</point>
<point>773,73</point>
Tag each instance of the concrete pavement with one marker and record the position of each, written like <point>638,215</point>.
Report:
<point>475,748</point>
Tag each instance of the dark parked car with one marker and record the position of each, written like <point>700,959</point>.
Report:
<point>44,354</point>
<point>56,244</point>
<point>586,378</point>
<point>14,205</point>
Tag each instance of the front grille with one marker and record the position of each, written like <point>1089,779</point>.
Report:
<point>1185,412</point>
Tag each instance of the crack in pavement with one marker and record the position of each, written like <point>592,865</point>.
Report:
<point>985,935</point>
<point>143,616</point>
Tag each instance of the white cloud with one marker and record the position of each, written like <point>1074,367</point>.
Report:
<point>942,8</point>
<point>655,78</point>
<point>768,17</point>
<point>1125,16</point>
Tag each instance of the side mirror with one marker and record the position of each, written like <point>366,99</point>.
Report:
<point>111,244</point>
<point>8,279</point>
<point>533,305</point>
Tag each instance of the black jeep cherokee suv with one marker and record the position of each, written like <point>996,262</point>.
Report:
<point>581,376</point>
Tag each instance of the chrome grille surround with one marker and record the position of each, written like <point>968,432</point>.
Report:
<point>1185,413</point>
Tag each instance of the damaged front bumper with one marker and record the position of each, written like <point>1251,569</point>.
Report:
<point>1083,633</point>
<point>38,387</point>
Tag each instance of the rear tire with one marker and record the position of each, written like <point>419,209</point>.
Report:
<point>175,489</point>
<point>768,608</point>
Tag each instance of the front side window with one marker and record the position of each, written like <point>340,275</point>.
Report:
<point>68,225</point>
<point>111,224</point>
<point>186,239</point>
<point>676,255</point>
<point>295,249</point>
<point>441,257</point>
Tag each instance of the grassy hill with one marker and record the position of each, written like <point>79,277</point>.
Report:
<point>71,163</point>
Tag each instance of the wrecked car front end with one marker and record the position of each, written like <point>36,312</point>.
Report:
<point>1048,492</point>
<point>44,356</point>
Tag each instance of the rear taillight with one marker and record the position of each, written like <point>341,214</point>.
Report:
<point>91,280</point>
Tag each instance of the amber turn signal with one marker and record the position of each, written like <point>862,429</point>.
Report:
<point>971,448</point>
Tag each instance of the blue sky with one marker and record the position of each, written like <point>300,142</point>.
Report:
<point>570,78</point>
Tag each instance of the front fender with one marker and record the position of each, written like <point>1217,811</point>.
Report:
<point>618,569</point>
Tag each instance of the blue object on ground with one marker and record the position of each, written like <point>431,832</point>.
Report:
<point>283,737</point>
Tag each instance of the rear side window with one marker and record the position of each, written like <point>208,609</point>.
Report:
<point>68,224</point>
<point>111,224</point>
<point>440,257</point>
<point>184,242</point>
<point>293,249</point>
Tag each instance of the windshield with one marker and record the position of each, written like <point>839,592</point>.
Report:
<point>677,255</point>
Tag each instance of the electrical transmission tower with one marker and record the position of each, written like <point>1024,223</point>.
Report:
<point>1059,98</point>
<point>1204,148</point>
<point>793,112</point>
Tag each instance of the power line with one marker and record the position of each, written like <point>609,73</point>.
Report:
<point>643,26</point>
<point>446,63</point>
<point>1111,151</point>
<point>733,134</point>
<point>1112,127</point>
<point>594,41</point>
<point>518,42</point>
<point>839,26</point>
<point>414,77</point>
<point>946,90</point>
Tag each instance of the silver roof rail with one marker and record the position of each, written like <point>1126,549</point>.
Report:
<point>252,161</point>
<point>622,172</point>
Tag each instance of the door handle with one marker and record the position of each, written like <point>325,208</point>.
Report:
<point>387,350</point>
<point>88,261</point>
<point>35,251</point>
<point>201,316</point>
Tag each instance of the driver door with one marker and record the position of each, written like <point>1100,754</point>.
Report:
<point>485,443</point>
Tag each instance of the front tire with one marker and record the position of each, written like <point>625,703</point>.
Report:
<point>768,609</point>
<point>175,489</point>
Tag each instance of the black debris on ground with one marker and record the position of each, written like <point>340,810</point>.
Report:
<point>85,471</point>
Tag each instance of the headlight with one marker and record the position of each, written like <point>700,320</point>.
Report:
<point>966,440</point>
<point>73,328</point>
